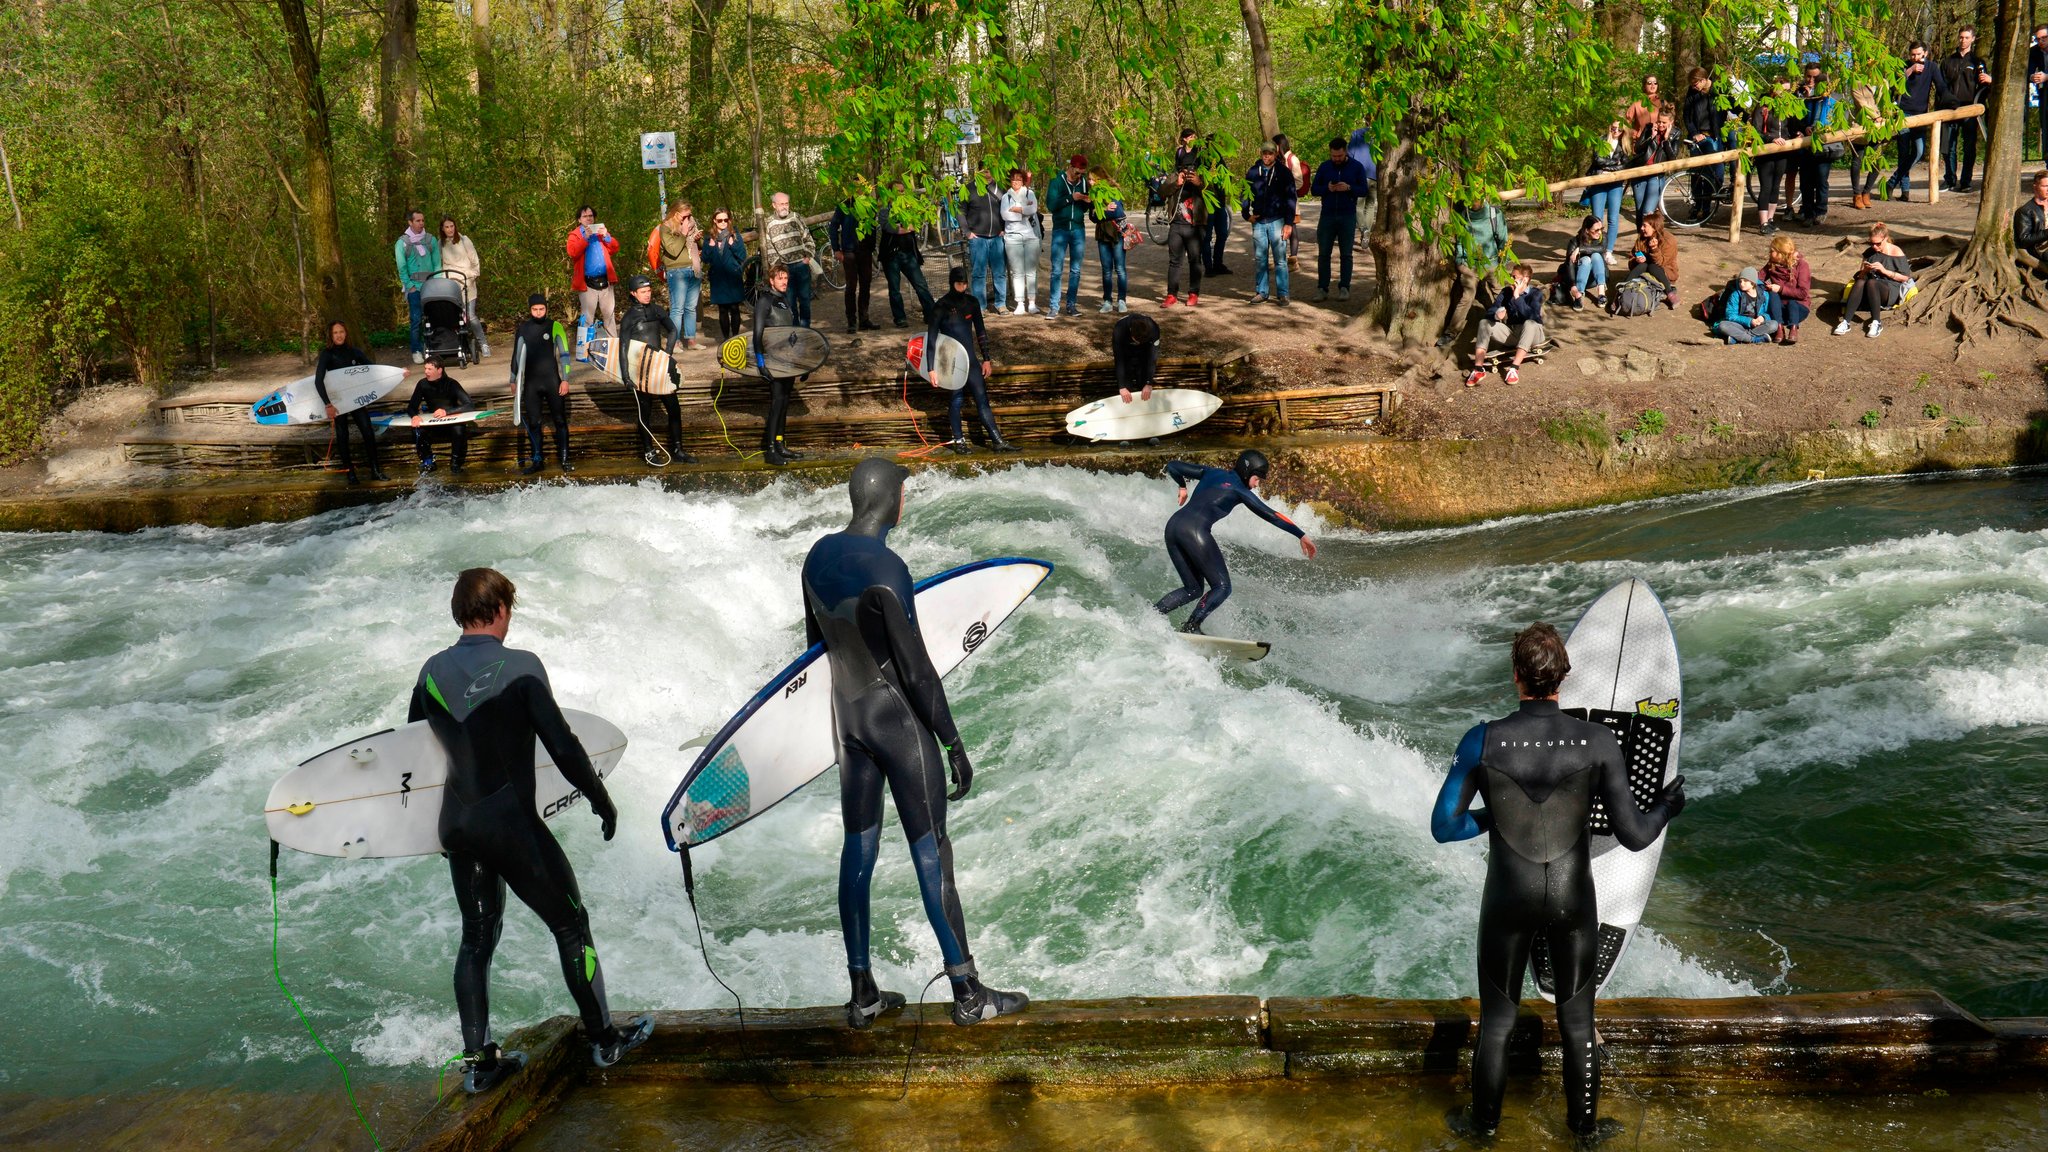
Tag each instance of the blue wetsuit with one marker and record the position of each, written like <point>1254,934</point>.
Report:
<point>1218,491</point>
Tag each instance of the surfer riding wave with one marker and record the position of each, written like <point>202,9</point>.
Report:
<point>1204,578</point>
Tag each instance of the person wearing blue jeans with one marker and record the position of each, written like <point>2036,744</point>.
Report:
<point>1109,253</point>
<point>1610,156</point>
<point>1071,199</point>
<point>1922,88</point>
<point>1585,262</point>
<point>1655,145</point>
<point>982,206</point>
<point>419,256</point>
<point>675,252</point>
<point>1746,313</point>
<point>1271,209</point>
<point>1340,181</point>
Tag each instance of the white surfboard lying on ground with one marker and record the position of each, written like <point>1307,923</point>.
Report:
<point>1226,647</point>
<point>782,739</point>
<point>1169,410</point>
<point>348,388</point>
<point>380,795</point>
<point>1625,673</point>
<point>401,420</point>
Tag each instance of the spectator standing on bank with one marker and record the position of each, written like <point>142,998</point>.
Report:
<point>1298,169</point>
<point>1706,131</point>
<point>725,263</point>
<point>786,240</point>
<point>675,253</point>
<point>590,246</point>
<point>2030,224</point>
<point>1071,197</point>
<point>1816,164</point>
<point>1516,319</point>
<point>1789,280</point>
<point>1361,151</point>
<point>1184,235</point>
<point>1642,111</point>
<point>1610,157</point>
<point>419,256</point>
<point>857,257</point>
<point>458,254</point>
<point>1481,240</point>
<point>1185,154</point>
<point>982,205</point>
<point>1021,242</point>
<point>2037,75</point>
<point>1271,212</point>
<point>1340,181</point>
<point>1770,169</point>
<point>1219,217</point>
<point>1921,89</point>
<point>1109,249</point>
<point>1654,145</point>
<point>900,259</point>
<point>1964,80</point>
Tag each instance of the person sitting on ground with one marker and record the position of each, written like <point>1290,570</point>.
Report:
<point>1789,281</point>
<point>2030,224</point>
<point>1517,319</point>
<point>1134,345</point>
<point>1656,256</point>
<point>1584,271</point>
<point>1746,311</point>
<point>437,395</point>
<point>1880,282</point>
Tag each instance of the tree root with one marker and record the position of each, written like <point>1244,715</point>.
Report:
<point>1978,298</point>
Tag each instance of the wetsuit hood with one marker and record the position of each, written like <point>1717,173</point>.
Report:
<point>1250,462</point>
<point>877,492</point>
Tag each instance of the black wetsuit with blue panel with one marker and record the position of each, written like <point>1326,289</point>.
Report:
<point>1204,578</point>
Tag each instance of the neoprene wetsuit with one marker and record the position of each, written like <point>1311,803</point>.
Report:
<point>1539,771</point>
<point>487,703</point>
<point>1195,556</point>
<point>535,351</point>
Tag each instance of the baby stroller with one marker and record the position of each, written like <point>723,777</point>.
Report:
<point>444,318</point>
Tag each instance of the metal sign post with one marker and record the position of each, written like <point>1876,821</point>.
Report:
<point>658,151</point>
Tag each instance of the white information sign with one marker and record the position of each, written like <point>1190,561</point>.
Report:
<point>657,149</point>
<point>964,120</point>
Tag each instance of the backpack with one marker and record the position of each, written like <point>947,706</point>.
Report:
<point>1708,311</point>
<point>1636,296</point>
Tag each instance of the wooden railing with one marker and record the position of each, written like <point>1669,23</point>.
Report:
<point>1930,120</point>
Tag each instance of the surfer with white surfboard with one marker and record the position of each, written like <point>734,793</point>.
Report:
<point>1540,771</point>
<point>487,703</point>
<point>1204,578</point>
<point>537,371</point>
<point>957,315</point>
<point>889,719</point>
<point>339,354</point>
<point>1134,345</point>
<point>646,324</point>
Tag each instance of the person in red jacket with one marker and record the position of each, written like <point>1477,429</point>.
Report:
<point>590,246</point>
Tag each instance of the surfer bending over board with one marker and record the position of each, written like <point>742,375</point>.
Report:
<point>436,395</point>
<point>1218,491</point>
<point>547,390</point>
<point>1134,344</point>
<point>487,703</point>
<point>958,314</point>
<point>889,719</point>
<point>652,326</point>
<point>1539,772</point>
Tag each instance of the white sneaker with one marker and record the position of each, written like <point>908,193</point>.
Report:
<point>483,351</point>
<point>417,358</point>
<point>1613,261</point>
<point>1107,306</point>
<point>1018,310</point>
<point>1874,329</point>
<point>1031,306</point>
<point>1121,306</point>
<point>1842,329</point>
<point>1343,293</point>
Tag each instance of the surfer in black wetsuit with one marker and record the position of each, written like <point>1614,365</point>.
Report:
<point>958,314</point>
<point>889,718</point>
<point>486,703</point>
<point>1134,344</point>
<point>1539,772</point>
<point>1189,544</point>
<point>436,395</point>
<point>339,354</point>
<point>772,310</point>
<point>651,325</point>
<point>547,391</point>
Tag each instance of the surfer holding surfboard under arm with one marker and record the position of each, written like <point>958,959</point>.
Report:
<point>546,391</point>
<point>1189,543</point>
<point>958,314</point>
<point>1539,772</point>
<point>889,718</point>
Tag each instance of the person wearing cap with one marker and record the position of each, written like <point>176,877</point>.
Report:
<point>958,314</point>
<point>1746,313</point>
<point>652,326</point>
<point>1271,211</point>
<point>537,366</point>
<point>1072,200</point>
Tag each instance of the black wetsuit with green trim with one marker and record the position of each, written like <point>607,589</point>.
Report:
<point>487,703</point>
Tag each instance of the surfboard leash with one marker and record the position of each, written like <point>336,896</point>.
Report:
<point>929,447</point>
<point>277,974</point>
<point>744,456</point>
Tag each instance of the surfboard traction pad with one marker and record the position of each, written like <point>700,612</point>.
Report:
<point>1645,747</point>
<point>720,798</point>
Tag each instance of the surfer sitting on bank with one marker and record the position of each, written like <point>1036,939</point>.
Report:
<point>648,324</point>
<point>1539,772</point>
<point>889,717</point>
<point>1189,543</point>
<point>486,704</point>
<point>1134,345</point>
<point>437,395</point>
<point>957,314</point>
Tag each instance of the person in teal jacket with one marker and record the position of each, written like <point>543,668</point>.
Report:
<point>419,256</point>
<point>1071,198</point>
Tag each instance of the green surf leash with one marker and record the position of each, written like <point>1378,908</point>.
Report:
<point>277,974</point>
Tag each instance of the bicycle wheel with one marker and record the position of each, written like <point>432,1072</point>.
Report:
<point>1158,219</point>
<point>828,259</point>
<point>1689,199</point>
<point>750,276</point>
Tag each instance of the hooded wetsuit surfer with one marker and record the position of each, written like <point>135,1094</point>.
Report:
<point>487,703</point>
<point>1191,547</point>
<point>889,719</point>
<point>1539,771</point>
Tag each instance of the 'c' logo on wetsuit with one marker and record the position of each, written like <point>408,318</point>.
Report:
<point>483,682</point>
<point>976,633</point>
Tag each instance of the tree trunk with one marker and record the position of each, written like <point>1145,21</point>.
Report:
<point>322,209</point>
<point>1621,24</point>
<point>486,61</point>
<point>1409,304</point>
<point>702,93</point>
<point>1262,69</point>
<point>1981,291</point>
<point>398,107</point>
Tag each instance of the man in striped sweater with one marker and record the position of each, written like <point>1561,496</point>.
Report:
<point>786,240</point>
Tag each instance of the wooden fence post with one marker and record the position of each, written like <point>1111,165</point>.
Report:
<point>1934,162</point>
<point>1735,174</point>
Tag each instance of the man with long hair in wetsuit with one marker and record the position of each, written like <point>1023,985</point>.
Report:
<point>1539,771</point>
<point>889,719</point>
<point>1204,579</point>
<point>487,703</point>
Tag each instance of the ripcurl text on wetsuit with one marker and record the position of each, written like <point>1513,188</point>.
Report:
<point>1191,547</point>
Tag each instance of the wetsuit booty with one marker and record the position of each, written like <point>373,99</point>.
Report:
<point>1193,627</point>
<point>1603,1130</point>
<point>488,1069</point>
<point>869,1001</point>
<point>610,1050</point>
<point>534,468</point>
<point>1461,1123</point>
<point>974,1002</point>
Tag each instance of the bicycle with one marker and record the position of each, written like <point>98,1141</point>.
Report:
<point>1692,197</point>
<point>1158,213</point>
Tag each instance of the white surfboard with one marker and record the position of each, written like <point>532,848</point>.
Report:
<point>782,739</point>
<point>400,419</point>
<point>1228,648</point>
<point>944,361</point>
<point>1169,410</point>
<point>1624,664</point>
<point>380,795</point>
<point>349,388</point>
